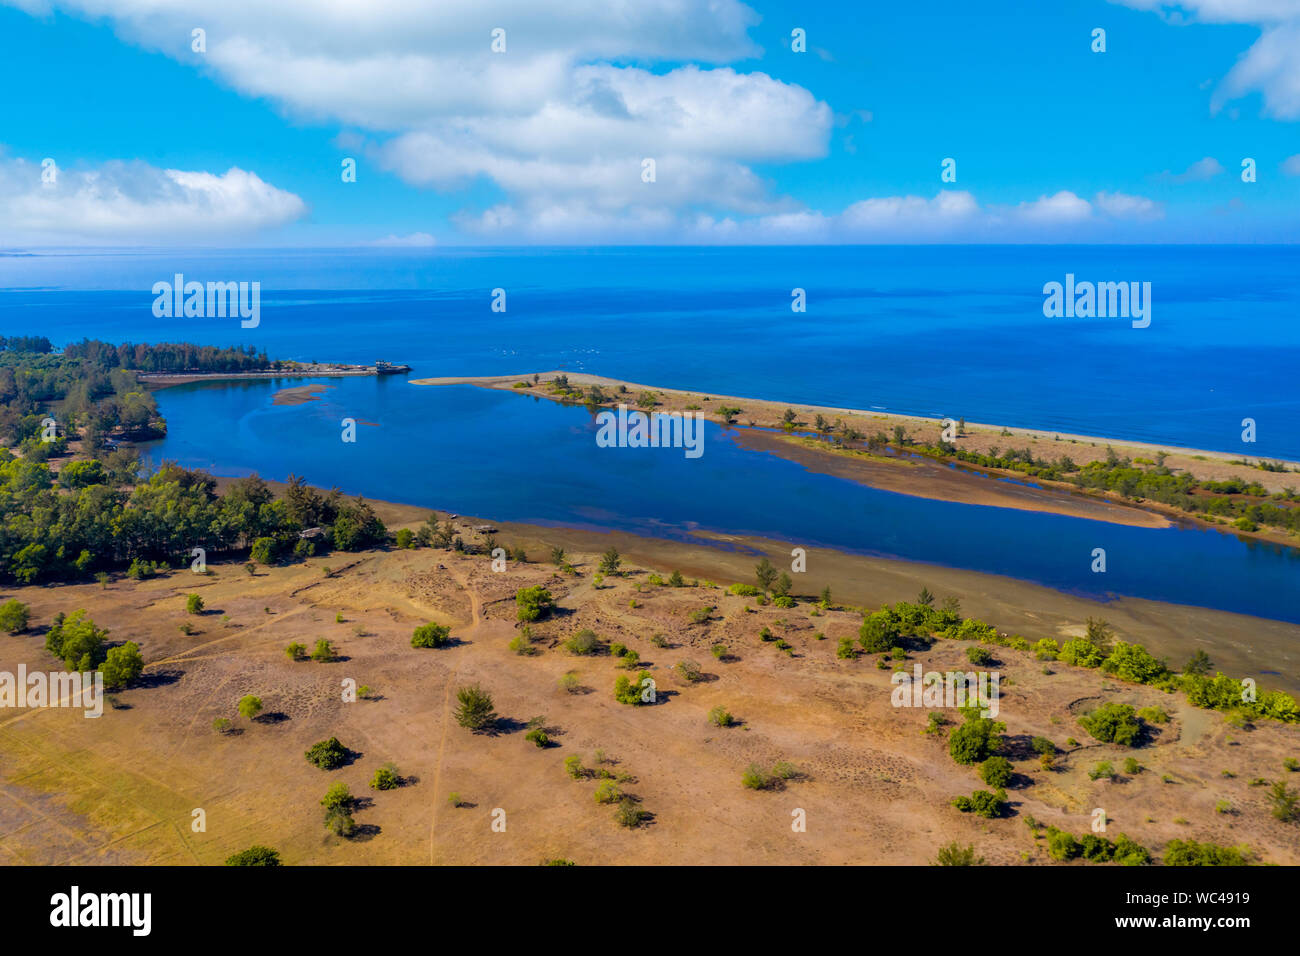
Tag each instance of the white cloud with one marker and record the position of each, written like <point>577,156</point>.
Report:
<point>1201,170</point>
<point>1123,206</point>
<point>569,109</point>
<point>1270,67</point>
<point>1291,165</point>
<point>136,202</point>
<point>949,216</point>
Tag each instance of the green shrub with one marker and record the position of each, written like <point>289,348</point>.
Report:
<point>533,602</point>
<point>1191,853</point>
<point>1102,769</point>
<point>982,803</point>
<point>194,604</point>
<point>327,754</point>
<point>1113,723</point>
<point>997,771</point>
<point>121,665</point>
<point>583,643</point>
<point>14,615</point>
<point>431,635</point>
<point>386,778</point>
<point>975,740</point>
<point>539,737</point>
<point>254,856</point>
<point>324,652</point>
<point>721,717</point>
<point>474,709</point>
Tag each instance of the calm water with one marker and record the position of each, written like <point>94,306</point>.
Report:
<point>513,458</point>
<point>921,330</point>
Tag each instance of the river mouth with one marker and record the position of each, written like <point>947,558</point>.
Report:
<point>497,455</point>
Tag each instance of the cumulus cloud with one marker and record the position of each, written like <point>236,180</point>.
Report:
<point>568,109</point>
<point>137,202</point>
<point>1271,66</point>
<point>1198,172</point>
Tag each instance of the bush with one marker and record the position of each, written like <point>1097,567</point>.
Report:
<point>1113,723</point>
<point>221,725</point>
<point>194,604</point>
<point>607,792</point>
<point>324,652</point>
<point>295,651</point>
<point>1102,769</point>
<point>405,539</point>
<point>327,754</point>
<point>573,767</point>
<point>689,671</point>
<point>249,706</point>
<point>721,717</point>
<point>1082,652</point>
<point>1062,845</point>
<point>982,803</point>
<point>337,797</point>
<point>1153,715</point>
<point>700,615</point>
<point>1132,662</point>
<point>14,616</point>
<point>265,551</point>
<point>583,643</point>
<point>475,711</point>
<point>975,740</point>
<point>979,656</point>
<point>431,635</point>
<point>745,590</point>
<point>954,855</point>
<point>386,778</point>
<point>1046,649</point>
<point>1191,853</point>
<point>533,602</point>
<point>629,814</point>
<point>997,771</point>
<point>1132,767</point>
<point>254,856</point>
<point>627,691</point>
<point>719,652</point>
<point>569,682</point>
<point>756,778</point>
<point>538,737</point>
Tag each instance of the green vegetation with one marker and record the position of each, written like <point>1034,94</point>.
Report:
<point>254,856</point>
<point>953,855</point>
<point>14,615</point>
<point>431,635</point>
<point>1114,723</point>
<point>474,709</point>
<point>1191,853</point>
<point>386,778</point>
<point>327,754</point>
<point>249,706</point>
<point>983,803</point>
<point>534,602</point>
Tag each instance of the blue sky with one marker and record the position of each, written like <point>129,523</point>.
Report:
<point>242,142</point>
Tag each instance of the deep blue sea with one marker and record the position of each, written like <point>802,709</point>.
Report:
<point>926,330</point>
<point>920,330</point>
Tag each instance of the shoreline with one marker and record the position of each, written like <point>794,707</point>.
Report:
<point>951,480</point>
<point>159,380</point>
<point>1240,644</point>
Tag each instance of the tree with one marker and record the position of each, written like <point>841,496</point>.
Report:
<point>194,604</point>
<point>558,557</point>
<point>1286,802</point>
<point>121,665</point>
<point>327,754</point>
<point>996,771</point>
<point>925,597</point>
<point>76,641</point>
<point>1199,665</point>
<point>610,561</point>
<point>14,616</point>
<point>675,580</point>
<point>475,711</point>
<point>295,651</point>
<point>765,574</point>
<point>431,635</point>
<point>254,856</point>
<point>533,602</point>
<point>324,651</point>
<point>264,551</point>
<point>975,740</point>
<point>781,587</point>
<point>249,706</point>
